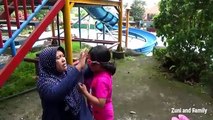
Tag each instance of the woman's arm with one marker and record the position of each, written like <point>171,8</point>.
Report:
<point>51,89</point>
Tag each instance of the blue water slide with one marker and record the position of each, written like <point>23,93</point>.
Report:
<point>109,20</point>
<point>102,15</point>
<point>151,40</point>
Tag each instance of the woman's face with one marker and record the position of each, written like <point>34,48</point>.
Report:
<point>61,64</point>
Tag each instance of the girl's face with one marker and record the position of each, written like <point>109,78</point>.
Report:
<point>93,65</point>
<point>61,64</point>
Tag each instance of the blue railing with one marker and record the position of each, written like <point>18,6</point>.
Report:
<point>10,41</point>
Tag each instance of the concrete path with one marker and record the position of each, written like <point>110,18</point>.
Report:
<point>142,91</point>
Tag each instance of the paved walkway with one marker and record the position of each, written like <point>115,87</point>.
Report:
<point>142,91</point>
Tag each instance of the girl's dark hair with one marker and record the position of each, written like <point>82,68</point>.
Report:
<point>102,54</point>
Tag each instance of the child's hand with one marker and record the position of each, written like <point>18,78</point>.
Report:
<point>83,88</point>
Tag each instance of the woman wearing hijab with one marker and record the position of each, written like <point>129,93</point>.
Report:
<point>57,86</point>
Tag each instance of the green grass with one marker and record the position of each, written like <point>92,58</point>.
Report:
<point>23,77</point>
<point>75,45</point>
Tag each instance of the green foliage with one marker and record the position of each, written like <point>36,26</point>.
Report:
<point>75,12</point>
<point>1,8</point>
<point>159,53</point>
<point>187,27</point>
<point>137,10</point>
<point>83,13</point>
<point>84,26</point>
<point>125,5</point>
<point>131,18</point>
<point>41,14</point>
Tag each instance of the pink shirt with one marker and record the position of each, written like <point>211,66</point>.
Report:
<point>101,87</point>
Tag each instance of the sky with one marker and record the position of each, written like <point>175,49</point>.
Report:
<point>148,2</point>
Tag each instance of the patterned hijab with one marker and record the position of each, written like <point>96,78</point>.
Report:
<point>49,74</point>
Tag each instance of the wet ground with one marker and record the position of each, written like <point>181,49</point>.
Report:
<point>142,91</point>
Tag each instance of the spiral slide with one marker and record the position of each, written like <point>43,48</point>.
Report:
<point>110,22</point>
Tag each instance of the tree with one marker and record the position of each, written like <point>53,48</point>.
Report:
<point>1,8</point>
<point>137,10</point>
<point>187,26</point>
<point>125,5</point>
<point>75,12</point>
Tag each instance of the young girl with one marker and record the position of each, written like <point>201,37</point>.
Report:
<point>100,95</point>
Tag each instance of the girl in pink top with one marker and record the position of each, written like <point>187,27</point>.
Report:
<point>100,95</point>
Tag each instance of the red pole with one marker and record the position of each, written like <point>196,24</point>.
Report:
<point>16,13</point>
<point>25,9</point>
<point>39,1</point>
<point>8,18</point>
<point>1,41</point>
<point>32,5</point>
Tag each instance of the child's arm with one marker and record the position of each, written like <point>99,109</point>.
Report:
<point>93,100</point>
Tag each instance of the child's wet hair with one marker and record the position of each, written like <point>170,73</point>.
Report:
<point>102,54</point>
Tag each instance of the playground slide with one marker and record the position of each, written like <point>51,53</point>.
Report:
<point>110,21</point>
<point>102,15</point>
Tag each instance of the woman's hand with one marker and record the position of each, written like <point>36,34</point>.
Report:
<point>82,60</point>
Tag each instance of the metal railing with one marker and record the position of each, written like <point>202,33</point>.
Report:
<point>15,6</point>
